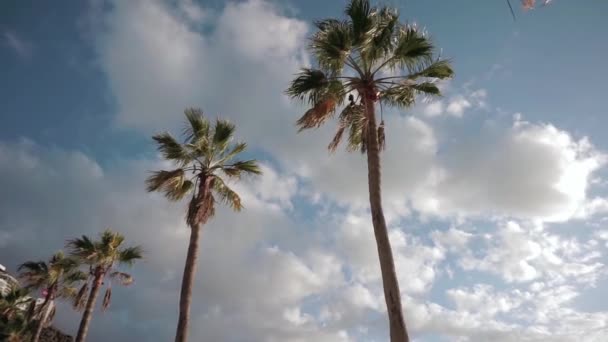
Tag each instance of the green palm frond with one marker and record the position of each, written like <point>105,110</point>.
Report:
<point>227,196</point>
<point>411,48</point>
<point>361,15</point>
<point>439,69</point>
<point>222,134</point>
<point>382,36</point>
<point>237,169</point>
<point>308,86</point>
<point>129,255</point>
<point>331,45</point>
<point>236,149</point>
<point>171,149</point>
<point>197,127</point>
<point>172,183</point>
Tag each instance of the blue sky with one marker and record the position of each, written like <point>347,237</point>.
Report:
<point>495,193</point>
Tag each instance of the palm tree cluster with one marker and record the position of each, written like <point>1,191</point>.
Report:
<point>88,263</point>
<point>366,59</point>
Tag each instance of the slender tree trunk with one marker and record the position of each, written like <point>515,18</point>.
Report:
<point>44,314</point>
<point>185,297</point>
<point>392,296</point>
<point>83,329</point>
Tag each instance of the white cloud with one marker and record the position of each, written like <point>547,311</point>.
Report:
<point>530,171</point>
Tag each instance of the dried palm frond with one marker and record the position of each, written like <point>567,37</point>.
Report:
<point>106,299</point>
<point>381,137</point>
<point>80,299</point>
<point>315,116</point>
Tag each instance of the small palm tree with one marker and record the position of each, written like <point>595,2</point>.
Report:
<point>369,58</point>
<point>16,311</point>
<point>56,279</point>
<point>102,257</point>
<point>15,329</point>
<point>202,160</point>
<point>15,302</point>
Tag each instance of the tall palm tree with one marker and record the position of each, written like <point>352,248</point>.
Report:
<point>368,58</point>
<point>55,278</point>
<point>103,258</point>
<point>205,157</point>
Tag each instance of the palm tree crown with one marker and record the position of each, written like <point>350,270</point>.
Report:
<point>58,273</point>
<point>207,154</point>
<point>103,257</point>
<point>370,54</point>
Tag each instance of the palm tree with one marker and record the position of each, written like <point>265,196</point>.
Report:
<point>368,58</point>
<point>55,279</point>
<point>202,160</point>
<point>16,311</point>
<point>15,329</point>
<point>102,257</point>
<point>15,302</point>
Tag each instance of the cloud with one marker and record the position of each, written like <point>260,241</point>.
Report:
<point>22,47</point>
<point>528,171</point>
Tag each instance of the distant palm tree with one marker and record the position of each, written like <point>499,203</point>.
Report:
<point>15,302</point>
<point>16,311</point>
<point>102,257</point>
<point>15,329</point>
<point>202,160</point>
<point>56,278</point>
<point>368,58</point>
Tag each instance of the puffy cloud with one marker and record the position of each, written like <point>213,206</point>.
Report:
<point>530,171</point>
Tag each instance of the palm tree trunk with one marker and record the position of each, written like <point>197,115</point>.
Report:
<point>83,329</point>
<point>392,296</point>
<point>45,309</point>
<point>185,298</point>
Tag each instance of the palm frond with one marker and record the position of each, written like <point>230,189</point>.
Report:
<point>80,299</point>
<point>317,115</point>
<point>361,15</point>
<point>222,134</point>
<point>382,39</point>
<point>411,49</point>
<point>171,149</point>
<point>237,169</point>
<point>332,45</point>
<point>82,248</point>
<point>107,297</point>
<point>333,145</point>
<point>198,126</point>
<point>402,96</point>
<point>172,183</point>
<point>129,255</point>
<point>308,86</point>
<point>439,69</point>
<point>123,278</point>
<point>227,196</point>
<point>202,206</point>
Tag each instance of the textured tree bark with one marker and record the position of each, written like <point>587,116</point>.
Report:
<point>392,296</point>
<point>83,329</point>
<point>44,314</point>
<point>187,284</point>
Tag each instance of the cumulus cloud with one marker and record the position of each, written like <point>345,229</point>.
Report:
<point>529,171</point>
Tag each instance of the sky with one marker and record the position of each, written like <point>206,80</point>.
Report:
<point>495,194</point>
